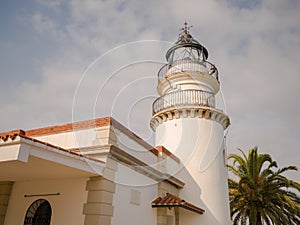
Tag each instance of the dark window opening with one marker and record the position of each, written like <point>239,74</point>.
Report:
<point>38,213</point>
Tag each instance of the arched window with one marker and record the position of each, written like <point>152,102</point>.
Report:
<point>38,213</point>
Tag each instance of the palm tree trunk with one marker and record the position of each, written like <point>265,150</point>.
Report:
<point>258,219</point>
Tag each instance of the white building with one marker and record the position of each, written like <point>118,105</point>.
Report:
<point>98,172</point>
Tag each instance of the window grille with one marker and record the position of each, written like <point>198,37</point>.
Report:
<point>38,213</point>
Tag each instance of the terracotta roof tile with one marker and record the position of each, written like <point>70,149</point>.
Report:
<point>11,134</point>
<point>99,122</point>
<point>173,201</point>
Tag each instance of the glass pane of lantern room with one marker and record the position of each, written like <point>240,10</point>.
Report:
<point>186,53</point>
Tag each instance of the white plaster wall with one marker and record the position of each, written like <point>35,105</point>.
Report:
<point>66,207</point>
<point>9,152</point>
<point>74,139</point>
<point>199,144</point>
<point>86,138</point>
<point>126,212</point>
<point>132,147</point>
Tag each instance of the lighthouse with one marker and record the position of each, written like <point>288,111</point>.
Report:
<point>187,122</point>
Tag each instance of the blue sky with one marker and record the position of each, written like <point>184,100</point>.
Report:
<point>46,48</point>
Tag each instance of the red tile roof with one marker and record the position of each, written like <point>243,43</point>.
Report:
<point>173,201</point>
<point>69,127</point>
<point>11,134</point>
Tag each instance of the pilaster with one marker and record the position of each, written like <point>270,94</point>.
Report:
<point>5,192</point>
<point>162,216</point>
<point>163,188</point>
<point>99,207</point>
<point>176,216</point>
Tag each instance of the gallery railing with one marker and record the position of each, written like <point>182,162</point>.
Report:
<point>183,99</point>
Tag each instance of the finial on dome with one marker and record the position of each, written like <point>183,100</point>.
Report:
<point>185,29</point>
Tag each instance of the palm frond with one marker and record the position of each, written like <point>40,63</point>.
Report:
<point>262,195</point>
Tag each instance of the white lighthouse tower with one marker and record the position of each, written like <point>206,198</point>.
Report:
<point>186,122</point>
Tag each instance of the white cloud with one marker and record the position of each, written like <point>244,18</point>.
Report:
<point>46,26</point>
<point>53,4</point>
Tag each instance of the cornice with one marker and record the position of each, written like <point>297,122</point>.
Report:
<point>190,112</point>
<point>143,168</point>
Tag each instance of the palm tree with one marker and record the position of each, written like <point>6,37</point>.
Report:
<point>262,195</point>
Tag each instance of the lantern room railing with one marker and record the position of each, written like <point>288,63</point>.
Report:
<point>187,65</point>
<point>183,98</point>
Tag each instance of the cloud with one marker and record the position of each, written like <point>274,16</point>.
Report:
<point>53,4</point>
<point>46,26</point>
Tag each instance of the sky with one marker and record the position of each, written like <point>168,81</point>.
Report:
<point>64,61</point>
